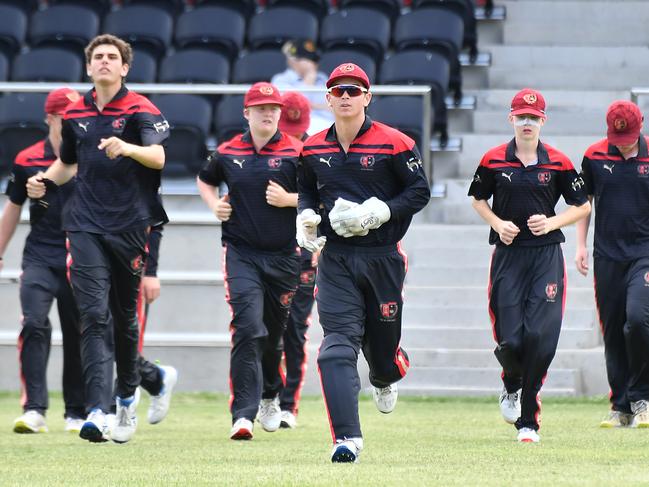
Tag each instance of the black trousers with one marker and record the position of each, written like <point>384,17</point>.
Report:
<point>39,286</point>
<point>295,336</point>
<point>259,289</point>
<point>359,296</point>
<point>105,273</point>
<point>622,295</point>
<point>526,302</point>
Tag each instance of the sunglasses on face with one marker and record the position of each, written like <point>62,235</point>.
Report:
<point>352,90</point>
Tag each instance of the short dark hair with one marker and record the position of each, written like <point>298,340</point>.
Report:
<point>124,48</point>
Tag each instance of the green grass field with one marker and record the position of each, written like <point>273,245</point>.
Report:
<point>432,441</point>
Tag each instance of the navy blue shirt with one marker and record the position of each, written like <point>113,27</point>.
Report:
<point>45,244</point>
<point>522,191</point>
<point>621,195</point>
<point>254,223</point>
<point>112,196</point>
<point>381,162</point>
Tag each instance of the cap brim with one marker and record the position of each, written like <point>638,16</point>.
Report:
<point>615,138</point>
<point>263,102</point>
<point>528,111</point>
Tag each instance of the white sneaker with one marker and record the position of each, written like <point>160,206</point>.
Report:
<point>270,415</point>
<point>241,429</point>
<point>73,425</point>
<point>94,429</point>
<point>159,406</point>
<point>110,424</point>
<point>30,422</point>
<point>125,420</point>
<point>385,398</point>
<point>347,451</point>
<point>616,419</point>
<point>640,414</point>
<point>510,405</point>
<point>528,435</point>
<point>288,420</point>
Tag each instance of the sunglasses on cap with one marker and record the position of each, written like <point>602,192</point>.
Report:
<point>352,90</point>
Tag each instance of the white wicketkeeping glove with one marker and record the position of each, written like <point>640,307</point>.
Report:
<point>358,220</point>
<point>336,221</point>
<point>306,227</point>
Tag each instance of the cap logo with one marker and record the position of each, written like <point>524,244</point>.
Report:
<point>620,124</point>
<point>346,68</point>
<point>529,98</point>
<point>293,114</point>
<point>266,90</point>
<point>309,46</point>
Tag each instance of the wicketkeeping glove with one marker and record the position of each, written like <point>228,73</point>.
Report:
<point>336,221</point>
<point>306,227</point>
<point>360,219</point>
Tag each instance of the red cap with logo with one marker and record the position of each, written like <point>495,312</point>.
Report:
<point>262,93</point>
<point>58,100</point>
<point>296,114</point>
<point>624,121</point>
<point>348,70</point>
<point>528,102</point>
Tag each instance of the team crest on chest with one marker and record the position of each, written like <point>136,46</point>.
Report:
<point>118,124</point>
<point>643,170</point>
<point>544,177</point>
<point>551,291</point>
<point>367,162</point>
<point>274,163</point>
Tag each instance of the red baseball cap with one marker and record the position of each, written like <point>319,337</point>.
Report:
<point>348,70</point>
<point>624,121</point>
<point>528,102</point>
<point>58,100</point>
<point>296,114</point>
<point>262,93</point>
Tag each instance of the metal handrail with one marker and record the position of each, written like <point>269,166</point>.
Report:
<point>636,92</point>
<point>212,89</point>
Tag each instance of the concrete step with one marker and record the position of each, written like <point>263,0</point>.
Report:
<point>567,67</point>
<point>482,337</point>
<point>564,381</point>
<point>570,23</point>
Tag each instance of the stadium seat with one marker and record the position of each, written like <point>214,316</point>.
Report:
<point>356,28</point>
<point>189,117</point>
<point>258,66</point>
<point>420,67</point>
<point>466,9</point>
<point>174,7</point>
<point>196,29</point>
<point>245,7</point>
<point>143,69</point>
<point>402,112</point>
<point>391,8</point>
<point>274,26</point>
<point>22,123</point>
<point>229,120</point>
<point>27,6</point>
<point>436,29</point>
<point>317,7</point>
<point>4,67</point>
<point>100,7</point>
<point>332,59</point>
<point>143,26</point>
<point>47,64</point>
<point>12,29</point>
<point>65,26</point>
<point>194,66</point>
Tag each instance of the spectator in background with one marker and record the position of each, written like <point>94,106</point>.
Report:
<point>302,59</point>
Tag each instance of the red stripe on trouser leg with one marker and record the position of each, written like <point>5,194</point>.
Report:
<point>68,261</point>
<point>331,425</point>
<point>537,415</point>
<point>226,287</point>
<point>23,382</point>
<point>403,364</point>
<point>281,371</point>
<point>141,317</point>
<point>303,367</point>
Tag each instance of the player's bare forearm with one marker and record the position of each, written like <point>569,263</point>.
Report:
<point>209,194</point>
<point>486,213</point>
<point>151,156</point>
<point>582,228</point>
<point>570,216</point>
<point>60,173</point>
<point>8,224</point>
